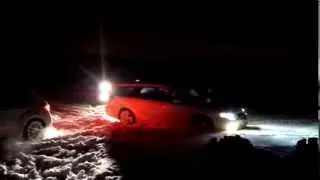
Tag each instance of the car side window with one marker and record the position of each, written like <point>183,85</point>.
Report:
<point>165,95</point>
<point>184,96</point>
<point>126,91</point>
<point>148,93</point>
<point>179,96</point>
<point>153,93</point>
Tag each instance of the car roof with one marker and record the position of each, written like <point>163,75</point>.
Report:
<point>158,84</point>
<point>140,85</point>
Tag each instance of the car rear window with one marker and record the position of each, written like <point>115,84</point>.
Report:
<point>154,93</point>
<point>126,91</point>
<point>151,93</point>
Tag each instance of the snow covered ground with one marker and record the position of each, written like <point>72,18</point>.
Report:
<point>71,157</point>
<point>262,131</point>
<point>277,135</point>
<point>77,145</point>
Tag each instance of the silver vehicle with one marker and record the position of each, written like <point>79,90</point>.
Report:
<point>23,115</point>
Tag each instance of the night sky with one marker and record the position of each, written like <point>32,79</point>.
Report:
<point>264,54</point>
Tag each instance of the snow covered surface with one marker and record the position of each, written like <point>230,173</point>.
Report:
<point>71,157</point>
<point>262,131</point>
<point>70,152</point>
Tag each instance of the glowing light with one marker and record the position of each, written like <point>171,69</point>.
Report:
<point>243,109</point>
<point>104,96</point>
<point>105,89</point>
<point>105,86</point>
<point>232,127</point>
<point>228,115</point>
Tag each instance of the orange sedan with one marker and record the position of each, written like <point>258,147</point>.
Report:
<point>160,106</point>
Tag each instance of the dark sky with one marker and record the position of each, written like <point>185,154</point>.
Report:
<point>263,48</point>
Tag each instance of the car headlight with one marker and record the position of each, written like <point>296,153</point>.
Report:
<point>228,115</point>
<point>232,126</point>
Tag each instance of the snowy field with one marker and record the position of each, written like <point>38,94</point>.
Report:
<point>71,157</point>
<point>77,146</point>
<point>262,131</point>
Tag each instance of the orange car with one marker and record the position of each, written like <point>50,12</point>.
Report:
<point>160,106</point>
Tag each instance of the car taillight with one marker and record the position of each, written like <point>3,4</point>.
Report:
<point>47,107</point>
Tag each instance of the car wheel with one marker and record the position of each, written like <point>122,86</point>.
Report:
<point>33,131</point>
<point>201,123</point>
<point>126,116</point>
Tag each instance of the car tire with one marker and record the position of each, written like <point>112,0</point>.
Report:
<point>127,117</point>
<point>202,123</point>
<point>34,130</point>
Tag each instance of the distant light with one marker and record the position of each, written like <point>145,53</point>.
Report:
<point>208,100</point>
<point>105,86</point>
<point>137,80</point>
<point>243,109</point>
<point>105,89</point>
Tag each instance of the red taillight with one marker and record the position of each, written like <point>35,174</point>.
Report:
<point>47,107</point>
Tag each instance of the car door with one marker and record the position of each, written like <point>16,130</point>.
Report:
<point>178,112</point>
<point>149,108</point>
<point>165,110</point>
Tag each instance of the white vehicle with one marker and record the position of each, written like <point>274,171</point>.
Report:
<point>23,115</point>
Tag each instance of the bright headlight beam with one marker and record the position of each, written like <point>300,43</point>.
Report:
<point>105,86</point>
<point>232,127</point>
<point>228,115</point>
<point>103,97</point>
<point>105,89</point>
